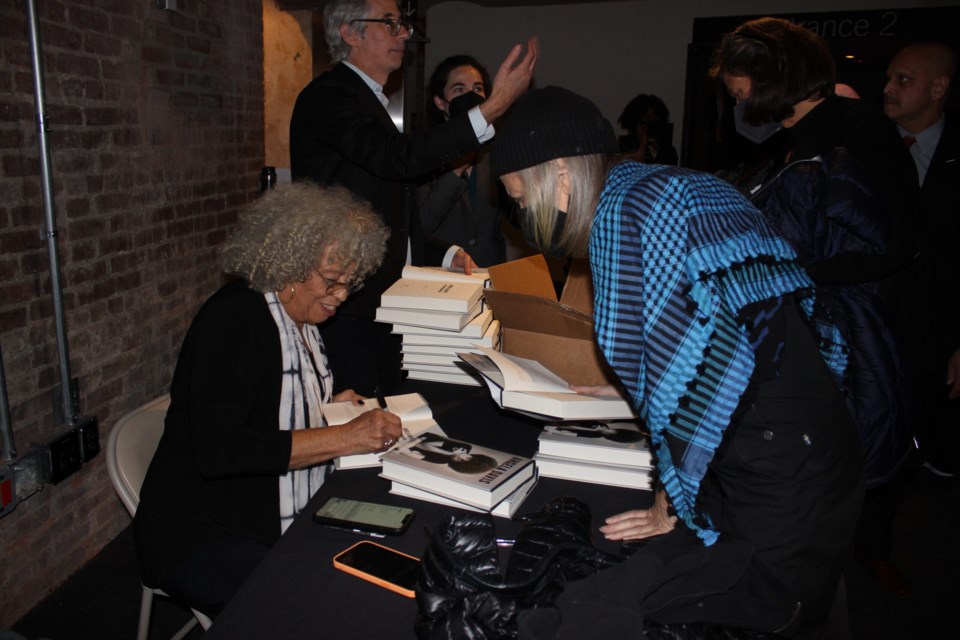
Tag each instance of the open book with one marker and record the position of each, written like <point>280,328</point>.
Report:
<point>528,387</point>
<point>414,413</point>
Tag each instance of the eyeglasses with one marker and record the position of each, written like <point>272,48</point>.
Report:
<point>393,25</point>
<point>335,286</point>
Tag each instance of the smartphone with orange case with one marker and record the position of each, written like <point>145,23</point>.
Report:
<point>380,565</point>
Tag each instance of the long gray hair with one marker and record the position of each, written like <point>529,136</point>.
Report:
<point>283,236</point>
<point>586,175</point>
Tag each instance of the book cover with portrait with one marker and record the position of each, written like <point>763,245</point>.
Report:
<point>462,471</point>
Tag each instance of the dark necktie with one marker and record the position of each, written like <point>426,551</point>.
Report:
<point>909,141</point>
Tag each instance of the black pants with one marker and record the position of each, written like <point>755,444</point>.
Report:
<point>787,479</point>
<point>209,579</point>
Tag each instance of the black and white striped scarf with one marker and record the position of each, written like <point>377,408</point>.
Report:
<point>307,384</point>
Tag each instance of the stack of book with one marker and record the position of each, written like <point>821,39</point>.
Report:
<point>609,453</point>
<point>438,469</point>
<point>439,313</point>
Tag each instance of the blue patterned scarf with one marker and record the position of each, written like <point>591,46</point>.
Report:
<point>677,258</point>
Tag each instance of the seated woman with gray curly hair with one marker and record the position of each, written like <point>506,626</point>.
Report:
<point>242,450</point>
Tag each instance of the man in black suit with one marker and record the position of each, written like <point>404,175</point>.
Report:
<point>341,133</point>
<point>918,82</point>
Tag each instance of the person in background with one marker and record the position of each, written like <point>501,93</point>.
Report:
<point>341,133</point>
<point>649,136</point>
<point>244,446</point>
<point>838,187</point>
<point>461,205</point>
<point>713,329</point>
<point>914,97</point>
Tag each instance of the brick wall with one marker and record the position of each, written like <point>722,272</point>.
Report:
<point>156,139</point>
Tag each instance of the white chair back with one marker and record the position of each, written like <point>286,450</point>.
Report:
<point>131,446</point>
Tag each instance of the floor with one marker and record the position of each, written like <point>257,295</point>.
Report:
<point>101,601</point>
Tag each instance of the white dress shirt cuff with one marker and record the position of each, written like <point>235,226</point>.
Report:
<point>483,130</point>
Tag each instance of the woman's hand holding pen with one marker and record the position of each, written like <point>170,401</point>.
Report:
<point>372,431</point>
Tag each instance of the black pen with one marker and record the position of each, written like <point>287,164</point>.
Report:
<point>380,399</point>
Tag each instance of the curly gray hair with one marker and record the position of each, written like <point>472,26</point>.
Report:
<point>338,13</point>
<point>283,236</point>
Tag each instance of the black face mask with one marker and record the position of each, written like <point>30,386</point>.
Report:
<point>526,226</point>
<point>755,133</point>
<point>464,102</point>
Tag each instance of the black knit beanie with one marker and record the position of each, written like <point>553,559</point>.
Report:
<point>549,123</point>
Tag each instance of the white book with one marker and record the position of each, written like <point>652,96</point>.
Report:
<point>475,328</point>
<point>412,272</point>
<point>593,472</point>
<point>509,506</point>
<point>452,342</point>
<point>449,378</point>
<point>445,320</point>
<point>432,295</point>
<point>451,352</point>
<point>429,358</point>
<point>412,409</point>
<point>620,443</point>
<point>462,471</point>
<point>435,368</point>
<point>528,387</point>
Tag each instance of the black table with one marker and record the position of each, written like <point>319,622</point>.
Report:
<point>296,592</point>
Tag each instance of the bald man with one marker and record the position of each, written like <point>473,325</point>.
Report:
<point>914,97</point>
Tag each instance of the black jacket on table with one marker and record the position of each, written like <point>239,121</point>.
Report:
<point>466,212</point>
<point>217,467</point>
<point>340,133</point>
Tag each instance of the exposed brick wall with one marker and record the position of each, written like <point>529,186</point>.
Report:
<point>156,138</point>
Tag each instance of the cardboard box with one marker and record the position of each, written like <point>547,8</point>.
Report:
<point>534,324</point>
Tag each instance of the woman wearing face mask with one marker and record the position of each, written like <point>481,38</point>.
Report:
<point>838,187</point>
<point>712,328</point>
<point>461,205</point>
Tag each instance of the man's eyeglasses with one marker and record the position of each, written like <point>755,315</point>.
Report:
<point>393,25</point>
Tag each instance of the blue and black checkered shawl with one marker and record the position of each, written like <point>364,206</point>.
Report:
<point>679,258</point>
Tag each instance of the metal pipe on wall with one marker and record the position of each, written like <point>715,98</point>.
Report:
<point>50,231</point>
<point>6,427</point>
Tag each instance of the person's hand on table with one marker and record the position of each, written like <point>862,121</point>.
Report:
<point>641,523</point>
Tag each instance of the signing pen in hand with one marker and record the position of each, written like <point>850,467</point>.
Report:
<point>380,399</point>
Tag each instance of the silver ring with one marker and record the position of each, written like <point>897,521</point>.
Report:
<point>389,442</point>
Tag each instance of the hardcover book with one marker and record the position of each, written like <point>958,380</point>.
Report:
<point>528,387</point>
<point>447,320</point>
<point>432,295</point>
<point>474,329</point>
<point>458,470</point>
<point>593,472</point>
<point>620,443</point>
<point>506,509</point>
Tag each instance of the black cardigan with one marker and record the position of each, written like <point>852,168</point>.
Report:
<point>217,466</point>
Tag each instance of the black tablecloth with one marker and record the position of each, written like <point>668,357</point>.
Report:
<point>296,592</point>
